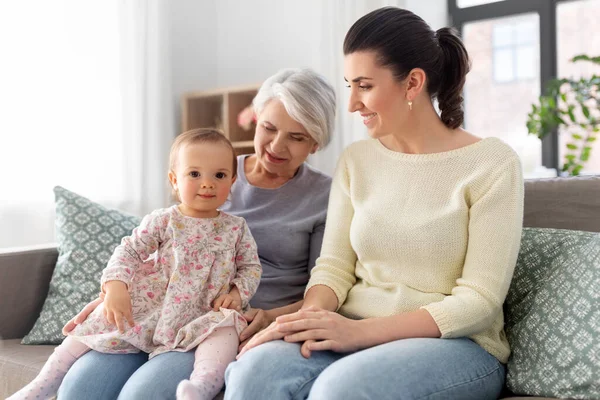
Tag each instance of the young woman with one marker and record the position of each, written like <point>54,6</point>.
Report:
<point>422,235</point>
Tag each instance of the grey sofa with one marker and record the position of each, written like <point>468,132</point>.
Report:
<point>565,203</point>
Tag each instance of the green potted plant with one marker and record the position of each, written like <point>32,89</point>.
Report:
<point>572,105</point>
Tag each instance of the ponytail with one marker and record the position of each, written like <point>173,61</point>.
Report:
<point>455,66</point>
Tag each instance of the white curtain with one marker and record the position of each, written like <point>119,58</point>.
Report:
<point>85,104</point>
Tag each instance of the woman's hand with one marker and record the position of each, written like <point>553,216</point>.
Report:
<point>264,336</point>
<point>258,320</point>
<point>83,314</point>
<point>117,304</point>
<point>322,330</point>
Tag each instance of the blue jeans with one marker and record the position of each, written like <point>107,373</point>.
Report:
<point>405,369</point>
<point>99,376</point>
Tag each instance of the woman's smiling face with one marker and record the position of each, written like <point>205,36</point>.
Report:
<point>281,143</point>
<point>375,93</point>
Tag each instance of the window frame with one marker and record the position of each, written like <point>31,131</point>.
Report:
<point>546,9</point>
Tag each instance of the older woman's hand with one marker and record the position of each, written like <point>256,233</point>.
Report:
<point>264,336</point>
<point>322,330</point>
<point>258,320</point>
<point>83,314</point>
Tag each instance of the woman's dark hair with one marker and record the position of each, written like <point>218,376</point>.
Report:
<point>403,41</point>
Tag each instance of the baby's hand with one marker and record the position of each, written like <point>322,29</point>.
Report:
<point>231,300</point>
<point>117,304</point>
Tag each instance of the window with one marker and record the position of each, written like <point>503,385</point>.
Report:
<point>577,33</point>
<point>516,46</point>
<point>471,3</point>
<point>61,86</point>
<point>504,82</point>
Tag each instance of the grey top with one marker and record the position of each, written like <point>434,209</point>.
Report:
<point>287,224</point>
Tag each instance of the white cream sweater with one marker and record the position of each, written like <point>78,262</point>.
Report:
<point>435,231</point>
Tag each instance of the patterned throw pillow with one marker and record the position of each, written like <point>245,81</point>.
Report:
<point>87,234</point>
<point>553,315</point>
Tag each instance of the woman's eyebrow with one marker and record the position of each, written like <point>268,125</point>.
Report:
<point>358,79</point>
<point>291,133</point>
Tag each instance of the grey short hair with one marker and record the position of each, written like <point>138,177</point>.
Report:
<point>307,97</point>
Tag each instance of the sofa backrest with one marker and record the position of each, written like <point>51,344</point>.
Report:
<point>563,203</point>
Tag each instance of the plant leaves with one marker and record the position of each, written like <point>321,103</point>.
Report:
<point>586,111</point>
<point>558,120</point>
<point>563,97</point>
<point>571,93</point>
<point>584,57</point>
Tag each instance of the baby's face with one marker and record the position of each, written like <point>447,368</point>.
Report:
<point>204,175</point>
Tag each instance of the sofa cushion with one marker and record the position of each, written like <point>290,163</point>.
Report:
<point>20,364</point>
<point>24,279</point>
<point>553,315</point>
<point>87,234</point>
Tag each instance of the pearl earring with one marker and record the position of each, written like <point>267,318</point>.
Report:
<point>410,105</point>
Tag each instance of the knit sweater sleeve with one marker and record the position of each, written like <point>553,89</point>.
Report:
<point>335,266</point>
<point>494,233</point>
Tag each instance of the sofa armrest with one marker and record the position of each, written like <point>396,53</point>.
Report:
<point>24,281</point>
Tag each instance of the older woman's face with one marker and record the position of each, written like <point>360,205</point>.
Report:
<point>281,143</point>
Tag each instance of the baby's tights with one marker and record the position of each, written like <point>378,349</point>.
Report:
<point>46,384</point>
<point>212,357</point>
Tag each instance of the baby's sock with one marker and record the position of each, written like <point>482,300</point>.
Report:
<point>46,384</point>
<point>212,357</point>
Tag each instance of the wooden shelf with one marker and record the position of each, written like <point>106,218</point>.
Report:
<point>245,143</point>
<point>219,108</point>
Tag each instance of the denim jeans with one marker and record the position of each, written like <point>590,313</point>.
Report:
<point>405,369</point>
<point>99,376</point>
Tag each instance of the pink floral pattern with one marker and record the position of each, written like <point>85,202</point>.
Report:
<point>175,266</point>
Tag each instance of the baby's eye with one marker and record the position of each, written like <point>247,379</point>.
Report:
<point>220,175</point>
<point>195,174</point>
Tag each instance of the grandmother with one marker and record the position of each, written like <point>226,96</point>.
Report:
<point>284,201</point>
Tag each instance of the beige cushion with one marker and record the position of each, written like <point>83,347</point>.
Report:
<point>19,364</point>
<point>563,203</point>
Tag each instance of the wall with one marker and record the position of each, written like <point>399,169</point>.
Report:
<point>257,38</point>
<point>193,43</point>
<point>231,42</point>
